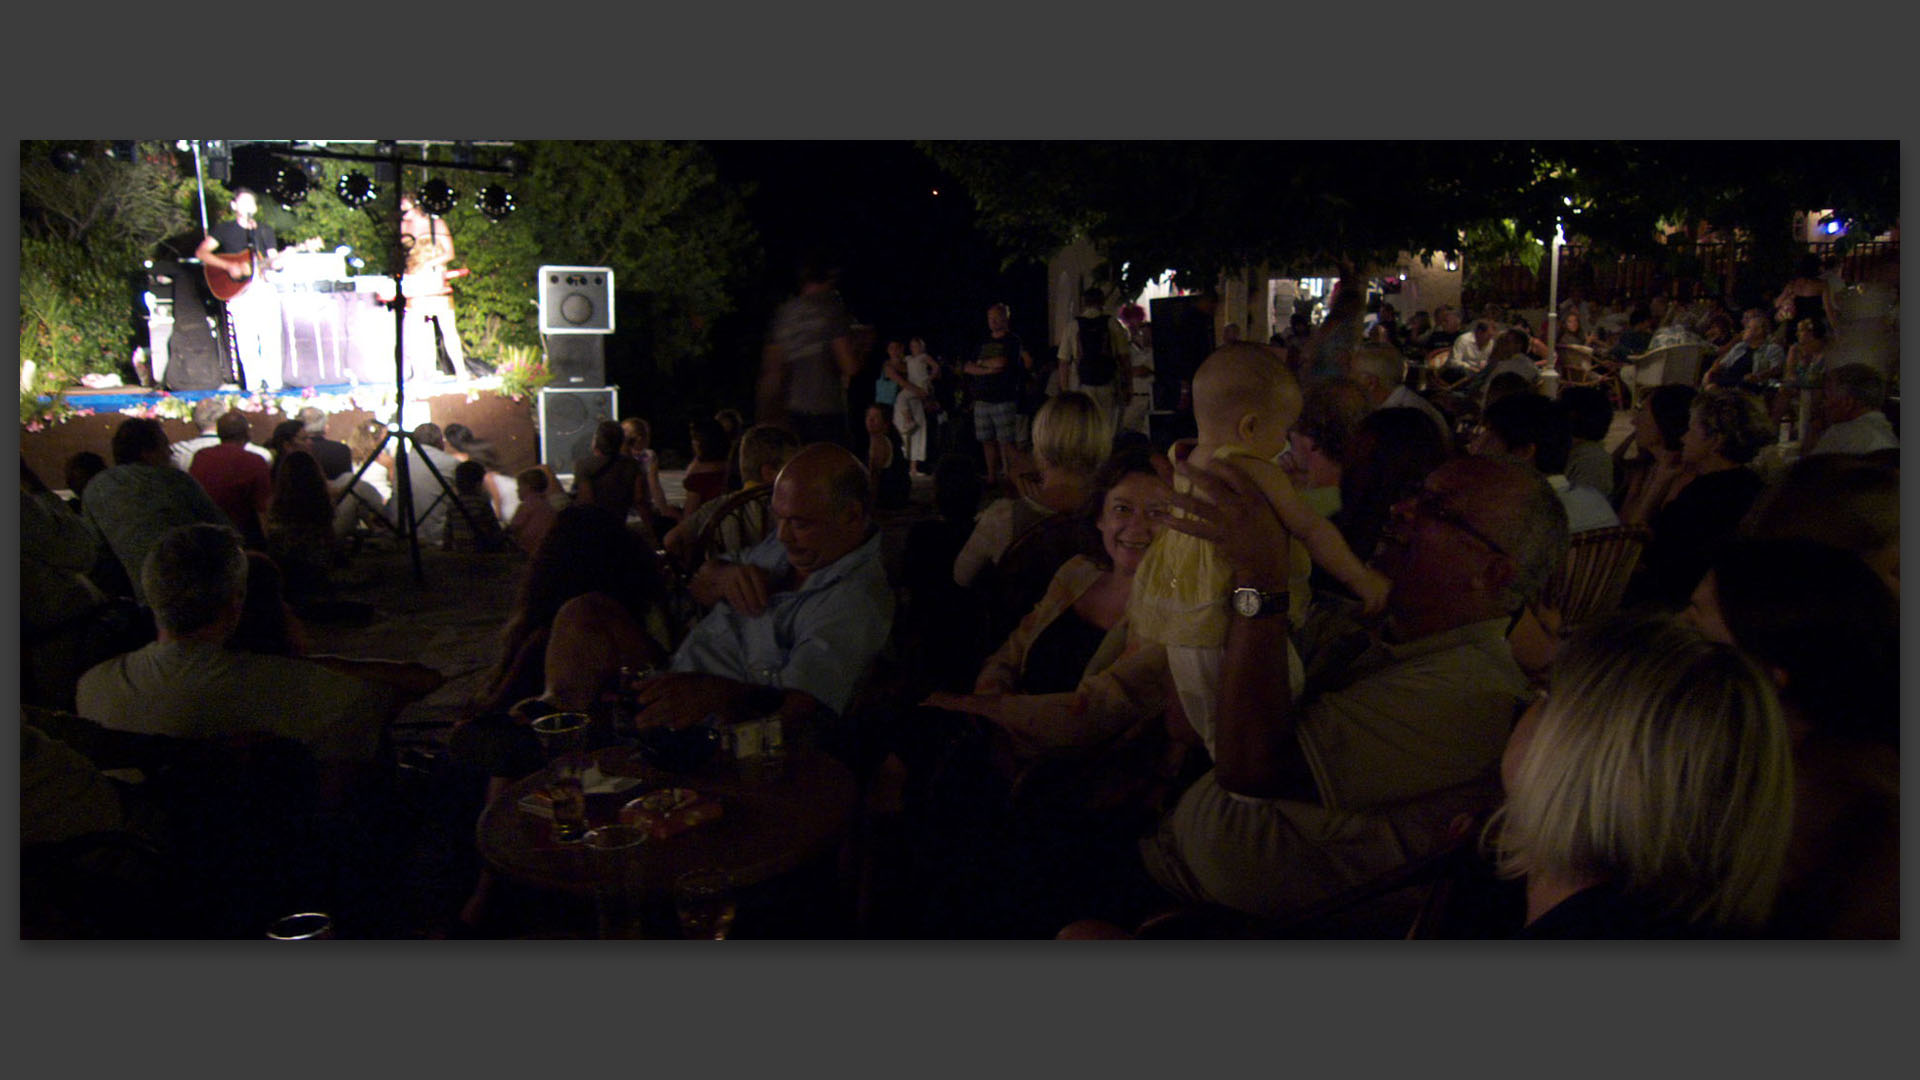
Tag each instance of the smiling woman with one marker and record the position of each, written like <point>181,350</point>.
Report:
<point>1061,680</point>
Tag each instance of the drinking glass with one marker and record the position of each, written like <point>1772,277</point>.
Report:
<point>613,860</point>
<point>627,700</point>
<point>705,903</point>
<point>306,926</point>
<point>563,737</point>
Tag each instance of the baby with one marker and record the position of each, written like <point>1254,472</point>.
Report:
<point>1244,402</point>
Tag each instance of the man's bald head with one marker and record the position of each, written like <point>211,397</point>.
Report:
<point>819,505</point>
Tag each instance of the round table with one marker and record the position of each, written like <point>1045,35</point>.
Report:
<point>768,826</point>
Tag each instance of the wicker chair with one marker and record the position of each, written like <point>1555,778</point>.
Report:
<point>1594,576</point>
<point>740,521</point>
<point>1674,365</point>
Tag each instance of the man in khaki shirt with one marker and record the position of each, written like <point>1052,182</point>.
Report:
<point>1400,724</point>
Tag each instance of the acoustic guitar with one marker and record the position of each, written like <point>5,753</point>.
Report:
<point>226,283</point>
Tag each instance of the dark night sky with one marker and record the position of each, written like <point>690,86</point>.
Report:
<point>912,263</point>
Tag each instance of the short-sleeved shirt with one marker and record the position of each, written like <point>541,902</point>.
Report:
<point>1397,725</point>
<point>805,328</point>
<point>185,449</point>
<point>196,690</point>
<point>1864,434</point>
<point>135,505</point>
<point>238,483</point>
<point>234,239</point>
<point>1004,385</point>
<point>819,638</point>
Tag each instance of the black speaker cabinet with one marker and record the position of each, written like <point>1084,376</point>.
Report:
<point>577,360</point>
<point>567,421</point>
<point>576,300</point>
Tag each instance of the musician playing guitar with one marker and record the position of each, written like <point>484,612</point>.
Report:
<point>233,255</point>
<point>428,246</point>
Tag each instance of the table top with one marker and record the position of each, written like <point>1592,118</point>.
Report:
<point>767,826</point>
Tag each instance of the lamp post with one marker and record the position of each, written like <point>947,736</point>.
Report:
<point>1551,373</point>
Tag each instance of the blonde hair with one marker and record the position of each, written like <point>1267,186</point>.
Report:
<point>1660,764</point>
<point>1073,433</point>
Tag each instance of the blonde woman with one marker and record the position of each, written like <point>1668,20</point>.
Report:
<point>1650,794</point>
<point>1072,435</point>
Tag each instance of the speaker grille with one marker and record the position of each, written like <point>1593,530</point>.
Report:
<point>576,300</point>
<point>567,421</point>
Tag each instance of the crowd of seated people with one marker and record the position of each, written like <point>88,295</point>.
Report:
<point>1375,694</point>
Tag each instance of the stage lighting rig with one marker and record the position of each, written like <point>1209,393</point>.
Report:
<point>495,202</point>
<point>438,197</point>
<point>289,185</point>
<point>355,189</point>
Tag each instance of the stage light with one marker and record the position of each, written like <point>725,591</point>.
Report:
<point>513,162</point>
<point>495,202</point>
<point>289,185</point>
<point>66,159</point>
<point>122,150</point>
<point>438,196</point>
<point>355,189</point>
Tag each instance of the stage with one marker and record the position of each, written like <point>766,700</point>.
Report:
<point>509,425</point>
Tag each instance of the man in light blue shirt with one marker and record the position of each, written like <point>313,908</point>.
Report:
<point>795,621</point>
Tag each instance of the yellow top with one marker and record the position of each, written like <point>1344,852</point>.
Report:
<point>1180,593</point>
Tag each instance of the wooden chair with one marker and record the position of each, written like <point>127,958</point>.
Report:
<point>742,520</point>
<point>1594,575</point>
<point>1436,360</point>
<point>1015,582</point>
<point>1674,365</point>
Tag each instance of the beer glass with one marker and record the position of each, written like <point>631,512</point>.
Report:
<point>563,738</point>
<point>705,903</point>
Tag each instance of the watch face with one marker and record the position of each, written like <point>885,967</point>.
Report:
<point>1246,601</point>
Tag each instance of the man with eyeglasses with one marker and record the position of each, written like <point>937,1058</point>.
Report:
<point>1400,725</point>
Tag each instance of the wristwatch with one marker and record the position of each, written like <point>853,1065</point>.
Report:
<point>1254,604</point>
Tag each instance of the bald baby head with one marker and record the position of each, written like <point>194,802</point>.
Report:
<point>1244,394</point>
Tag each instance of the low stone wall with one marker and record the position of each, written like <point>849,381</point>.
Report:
<point>508,425</point>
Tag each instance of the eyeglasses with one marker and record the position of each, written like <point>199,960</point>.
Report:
<point>1432,504</point>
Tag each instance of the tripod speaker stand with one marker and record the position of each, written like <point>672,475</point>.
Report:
<point>403,494</point>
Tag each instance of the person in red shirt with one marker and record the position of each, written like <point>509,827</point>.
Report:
<point>236,479</point>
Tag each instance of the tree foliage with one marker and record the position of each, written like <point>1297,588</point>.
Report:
<point>1199,208</point>
<point>83,237</point>
<point>657,213</point>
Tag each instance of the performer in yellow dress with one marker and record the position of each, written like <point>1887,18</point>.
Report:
<point>1244,402</point>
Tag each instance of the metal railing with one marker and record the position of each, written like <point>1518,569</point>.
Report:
<point>1713,268</point>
